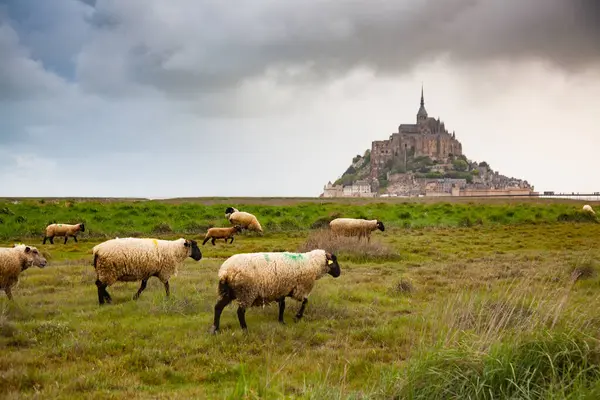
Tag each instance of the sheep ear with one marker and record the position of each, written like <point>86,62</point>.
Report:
<point>27,249</point>
<point>186,244</point>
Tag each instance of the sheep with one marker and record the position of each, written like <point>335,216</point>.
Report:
<point>355,227</point>
<point>221,233</point>
<point>133,259</point>
<point>65,230</point>
<point>244,219</point>
<point>255,279</point>
<point>588,208</point>
<point>13,261</point>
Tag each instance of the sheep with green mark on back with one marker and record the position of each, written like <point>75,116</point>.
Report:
<point>255,279</point>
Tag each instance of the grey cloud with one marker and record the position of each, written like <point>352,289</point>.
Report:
<point>191,49</point>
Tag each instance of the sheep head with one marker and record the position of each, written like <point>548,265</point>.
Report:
<point>380,226</point>
<point>195,253</point>
<point>332,263</point>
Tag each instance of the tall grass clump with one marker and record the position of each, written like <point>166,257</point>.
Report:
<point>350,248</point>
<point>544,366</point>
<point>517,342</point>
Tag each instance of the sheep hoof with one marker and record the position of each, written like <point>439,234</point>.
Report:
<point>213,330</point>
<point>282,322</point>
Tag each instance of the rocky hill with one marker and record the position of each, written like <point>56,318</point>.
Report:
<point>417,175</point>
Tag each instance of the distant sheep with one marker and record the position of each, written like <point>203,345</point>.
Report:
<point>13,261</point>
<point>244,219</point>
<point>221,233</point>
<point>355,227</point>
<point>255,279</point>
<point>65,230</point>
<point>134,259</point>
<point>588,208</point>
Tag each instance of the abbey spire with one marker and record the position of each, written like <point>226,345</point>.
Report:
<point>422,114</point>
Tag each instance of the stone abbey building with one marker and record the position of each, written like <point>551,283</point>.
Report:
<point>428,137</point>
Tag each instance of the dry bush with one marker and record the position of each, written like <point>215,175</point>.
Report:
<point>349,247</point>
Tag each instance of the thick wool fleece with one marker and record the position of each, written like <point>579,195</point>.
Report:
<point>353,227</point>
<point>133,259</point>
<point>261,278</point>
<point>14,260</point>
<point>245,220</point>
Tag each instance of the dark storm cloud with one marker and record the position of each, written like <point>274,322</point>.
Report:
<point>188,47</point>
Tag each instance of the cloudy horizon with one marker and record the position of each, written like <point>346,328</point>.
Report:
<point>151,99</point>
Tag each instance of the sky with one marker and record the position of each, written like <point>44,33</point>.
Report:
<point>149,98</point>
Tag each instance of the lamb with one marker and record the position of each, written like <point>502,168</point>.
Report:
<point>13,261</point>
<point>355,227</point>
<point>255,279</point>
<point>244,219</point>
<point>588,208</point>
<point>65,230</point>
<point>221,233</point>
<point>133,259</point>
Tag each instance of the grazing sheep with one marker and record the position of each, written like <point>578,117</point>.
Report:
<point>134,259</point>
<point>221,233</point>
<point>355,227</point>
<point>13,261</point>
<point>65,230</point>
<point>255,279</point>
<point>588,208</point>
<point>244,219</point>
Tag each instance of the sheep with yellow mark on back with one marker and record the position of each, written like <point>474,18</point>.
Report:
<point>134,259</point>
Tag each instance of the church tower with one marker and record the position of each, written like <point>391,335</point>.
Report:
<point>422,114</point>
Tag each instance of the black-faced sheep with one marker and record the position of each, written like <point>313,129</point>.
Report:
<point>13,261</point>
<point>65,230</point>
<point>221,233</point>
<point>355,227</point>
<point>255,279</point>
<point>134,259</point>
<point>242,218</point>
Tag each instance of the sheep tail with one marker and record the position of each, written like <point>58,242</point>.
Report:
<point>95,260</point>
<point>224,289</point>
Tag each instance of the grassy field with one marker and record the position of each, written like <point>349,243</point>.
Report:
<point>464,299</point>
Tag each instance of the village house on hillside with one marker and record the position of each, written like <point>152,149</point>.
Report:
<point>421,159</point>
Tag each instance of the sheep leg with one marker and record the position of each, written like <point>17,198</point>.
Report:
<point>45,238</point>
<point>205,240</point>
<point>75,239</point>
<point>66,238</point>
<point>8,291</point>
<point>141,289</point>
<point>231,241</point>
<point>102,294</point>
<point>221,304</point>
<point>281,309</point>
<point>167,289</point>
<point>301,310</point>
<point>51,239</point>
<point>213,241</point>
<point>241,312</point>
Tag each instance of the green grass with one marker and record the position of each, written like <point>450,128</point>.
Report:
<point>506,308</point>
<point>29,217</point>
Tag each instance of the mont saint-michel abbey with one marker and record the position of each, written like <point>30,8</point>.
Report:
<point>428,137</point>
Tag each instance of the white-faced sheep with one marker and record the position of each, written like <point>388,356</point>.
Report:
<point>134,259</point>
<point>355,227</point>
<point>13,261</point>
<point>221,233</point>
<point>65,230</point>
<point>588,208</point>
<point>255,279</point>
<point>242,218</point>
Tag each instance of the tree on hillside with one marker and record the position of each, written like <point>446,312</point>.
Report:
<point>460,165</point>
